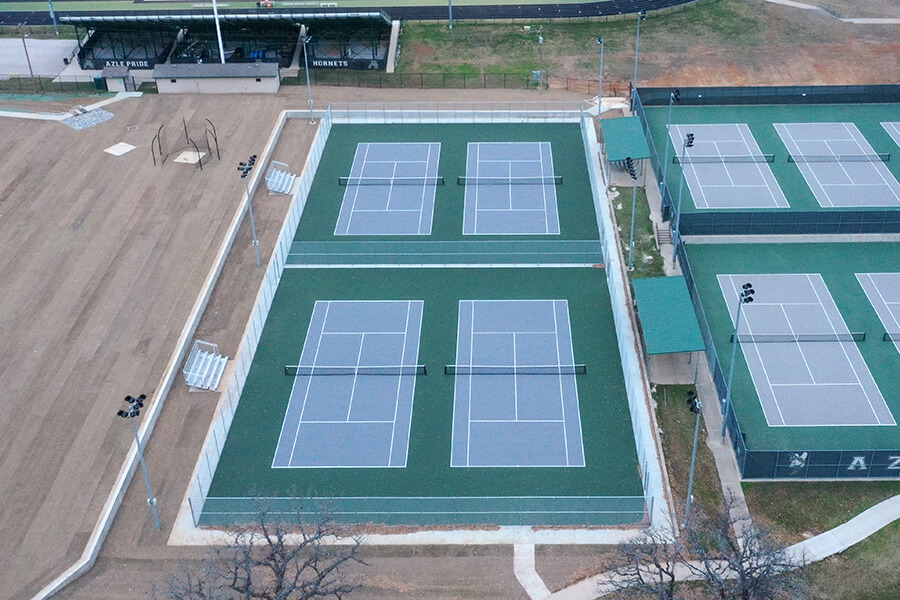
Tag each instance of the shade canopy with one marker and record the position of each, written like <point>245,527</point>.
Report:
<point>624,138</point>
<point>667,316</point>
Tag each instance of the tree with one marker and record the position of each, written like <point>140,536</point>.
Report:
<point>271,559</point>
<point>750,564</point>
<point>645,567</point>
<point>732,558</point>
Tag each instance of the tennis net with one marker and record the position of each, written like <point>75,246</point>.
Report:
<point>720,159</point>
<point>388,370</point>
<point>515,370</point>
<point>836,158</point>
<point>788,338</point>
<point>555,180</point>
<point>890,337</point>
<point>359,181</point>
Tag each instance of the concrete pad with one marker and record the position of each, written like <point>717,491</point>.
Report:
<point>119,149</point>
<point>46,56</point>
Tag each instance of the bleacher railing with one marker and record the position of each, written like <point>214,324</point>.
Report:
<point>457,112</point>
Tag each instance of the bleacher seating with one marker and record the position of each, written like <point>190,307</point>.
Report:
<point>204,366</point>
<point>280,180</point>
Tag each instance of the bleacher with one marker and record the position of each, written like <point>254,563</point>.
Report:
<point>278,179</point>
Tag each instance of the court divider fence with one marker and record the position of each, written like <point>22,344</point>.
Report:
<point>616,510</point>
<point>788,463</point>
<point>784,222</point>
<point>218,431</point>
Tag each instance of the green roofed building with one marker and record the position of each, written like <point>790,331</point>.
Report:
<point>669,330</point>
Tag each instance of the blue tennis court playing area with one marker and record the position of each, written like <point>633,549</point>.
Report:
<point>803,383</point>
<point>515,398</point>
<point>725,167</point>
<point>390,190</point>
<point>510,189</point>
<point>351,405</point>
<point>839,165</point>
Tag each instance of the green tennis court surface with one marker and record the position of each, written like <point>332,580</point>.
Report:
<point>763,167</point>
<point>846,413</point>
<point>450,395</point>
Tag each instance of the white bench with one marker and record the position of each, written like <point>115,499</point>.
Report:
<point>204,366</point>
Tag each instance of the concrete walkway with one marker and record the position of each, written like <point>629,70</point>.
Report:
<point>834,15</point>
<point>45,116</point>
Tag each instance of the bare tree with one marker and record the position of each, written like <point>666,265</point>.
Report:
<point>738,559</point>
<point>271,559</point>
<point>732,558</point>
<point>645,567</point>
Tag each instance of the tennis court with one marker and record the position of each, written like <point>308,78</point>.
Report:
<point>883,292</point>
<point>390,190</point>
<point>893,129</point>
<point>839,165</point>
<point>809,371</point>
<point>510,189</point>
<point>354,397</point>
<point>351,402</point>
<point>515,402</point>
<point>725,168</point>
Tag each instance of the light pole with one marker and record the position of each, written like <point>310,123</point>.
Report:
<point>632,172</point>
<point>53,17</point>
<point>306,39</point>
<point>600,92</point>
<point>450,10</point>
<point>218,32</point>
<point>134,409</point>
<point>245,169</point>
<point>676,221</point>
<point>696,406</point>
<point>673,98</point>
<point>541,53</point>
<point>28,58</point>
<point>745,297</point>
<point>637,40</point>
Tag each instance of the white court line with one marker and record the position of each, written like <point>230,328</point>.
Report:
<point>308,380</point>
<point>562,400</point>
<point>399,386</point>
<point>887,305</point>
<point>362,169</point>
<point>809,169</point>
<point>517,420</point>
<point>759,168</point>
<point>787,319</point>
<point>844,350</point>
<point>863,144</point>
<point>762,364</point>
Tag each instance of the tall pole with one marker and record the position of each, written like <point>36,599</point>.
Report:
<point>53,17</point>
<point>665,182</point>
<point>600,87</point>
<point>218,32</point>
<point>134,409</point>
<point>541,52</point>
<point>252,223</point>
<point>151,499</point>
<point>306,39</point>
<point>632,172</point>
<point>745,297</point>
<point>637,41</point>
<point>450,11</point>
<point>688,142</point>
<point>698,406</point>
<point>28,58</point>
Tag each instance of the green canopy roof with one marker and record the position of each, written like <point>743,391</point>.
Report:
<point>624,138</point>
<point>667,315</point>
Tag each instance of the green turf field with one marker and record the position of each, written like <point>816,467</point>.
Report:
<point>608,490</point>
<point>867,118</point>
<point>837,263</point>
